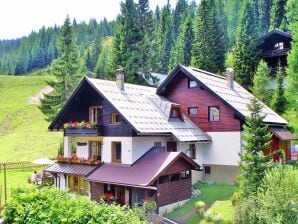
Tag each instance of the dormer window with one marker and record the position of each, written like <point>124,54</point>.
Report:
<point>115,118</point>
<point>279,46</point>
<point>192,83</point>
<point>175,114</point>
<point>213,113</point>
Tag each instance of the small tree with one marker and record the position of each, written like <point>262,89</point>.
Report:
<point>279,101</point>
<point>256,140</point>
<point>260,83</point>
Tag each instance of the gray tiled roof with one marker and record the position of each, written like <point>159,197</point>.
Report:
<point>147,112</point>
<point>67,168</point>
<point>238,98</point>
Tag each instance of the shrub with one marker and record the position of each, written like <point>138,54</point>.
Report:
<point>49,205</point>
<point>200,206</point>
<point>213,217</point>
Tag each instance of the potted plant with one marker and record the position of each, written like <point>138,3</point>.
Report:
<point>150,207</point>
<point>108,198</point>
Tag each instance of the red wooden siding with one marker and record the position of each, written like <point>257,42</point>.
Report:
<point>180,165</point>
<point>277,144</point>
<point>172,192</point>
<point>96,190</point>
<point>196,97</point>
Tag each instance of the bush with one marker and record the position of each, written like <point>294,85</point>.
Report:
<point>213,217</point>
<point>49,205</point>
<point>200,206</point>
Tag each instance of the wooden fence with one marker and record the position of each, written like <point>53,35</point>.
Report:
<point>19,166</point>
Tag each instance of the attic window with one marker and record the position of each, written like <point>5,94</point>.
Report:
<point>213,113</point>
<point>192,110</point>
<point>115,118</point>
<point>192,83</point>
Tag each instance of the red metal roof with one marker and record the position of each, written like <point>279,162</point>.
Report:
<point>142,173</point>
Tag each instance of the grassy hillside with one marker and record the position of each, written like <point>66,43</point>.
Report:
<point>23,130</point>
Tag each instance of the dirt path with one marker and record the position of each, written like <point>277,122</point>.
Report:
<point>183,218</point>
<point>36,99</point>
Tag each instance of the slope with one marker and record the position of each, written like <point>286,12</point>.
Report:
<point>23,130</point>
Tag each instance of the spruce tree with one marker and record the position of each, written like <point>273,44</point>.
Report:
<point>181,7</point>
<point>164,37</point>
<point>279,101</point>
<point>181,51</point>
<point>277,14</point>
<point>253,162</point>
<point>292,78</point>
<point>245,53</point>
<point>260,83</point>
<point>264,7</point>
<point>208,49</point>
<point>68,69</point>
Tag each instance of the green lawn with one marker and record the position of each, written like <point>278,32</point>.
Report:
<point>23,130</point>
<point>210,193</point>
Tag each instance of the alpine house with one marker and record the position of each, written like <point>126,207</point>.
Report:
<point>131,142</point>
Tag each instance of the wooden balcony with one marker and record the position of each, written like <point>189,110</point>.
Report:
<point>79,131</point>
<point>275,53</point>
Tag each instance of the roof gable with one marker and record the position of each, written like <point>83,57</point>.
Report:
<point>237,99</point>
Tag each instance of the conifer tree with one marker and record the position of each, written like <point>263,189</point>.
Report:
<point>164,35</point>
<point>181,7</point>
<point>245,53</point>
<point>68,69</point>
<point>253,162</point>
<point>277,14</point>
<point>208,49</point>
<point>264,7</point>
<point>279,101</point>
<point>102,68</point>
<point>292,78</point>
<point>260,83</point>
<point>181,51</point>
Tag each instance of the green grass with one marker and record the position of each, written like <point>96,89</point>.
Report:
<point>23,130</point>
<point>222,208</point>
<point>210,193</point>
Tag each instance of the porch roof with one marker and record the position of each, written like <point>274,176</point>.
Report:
<point>282,134</point>
<point>143,172</point>
<point>66,168</point>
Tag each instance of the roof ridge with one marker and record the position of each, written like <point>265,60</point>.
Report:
<point>207,73</point>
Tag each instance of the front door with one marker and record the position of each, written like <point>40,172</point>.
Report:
<point>172,146</point>
<point>120,194</point>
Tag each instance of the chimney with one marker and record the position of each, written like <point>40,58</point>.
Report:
<point>230,78</point>
<point>120,78</point>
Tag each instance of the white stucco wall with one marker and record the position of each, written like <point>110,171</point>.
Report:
<point>67,146</point>
<point>126,146</point>
<point>141,145</point>
<point>223,150</point>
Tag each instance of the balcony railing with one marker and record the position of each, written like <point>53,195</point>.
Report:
<point>77,160</point>
<point>275,53</point>
<point>78,131</point>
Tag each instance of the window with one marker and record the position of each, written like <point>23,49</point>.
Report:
<point>81,143</point>
<point>116,152</point>
<point>95,115</point>
<point>192,151</point>
<point>279,46</point>
<point>192,83</point>
<point>175,177</point>
<point>157,144</point>
<point>213,113</point>
<point>163,179</point>
<point>115,118</point>
<point>95,150</point>
<point>207,169</point>
<point>78,184</point>
<point>192,110</point>
<point>175,113</point>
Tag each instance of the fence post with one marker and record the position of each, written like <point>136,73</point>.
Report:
<point>5,186</point>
